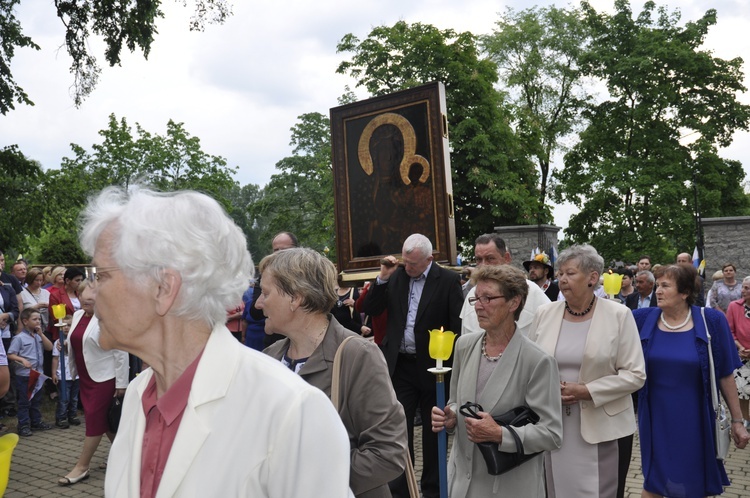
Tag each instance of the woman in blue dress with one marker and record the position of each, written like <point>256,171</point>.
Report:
<point>675,411</point>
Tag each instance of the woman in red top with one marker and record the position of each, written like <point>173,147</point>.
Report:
<point>68,295</point>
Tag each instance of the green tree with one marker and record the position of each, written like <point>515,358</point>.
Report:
<point>120,23</point>
<point>537,52</point>
<point>632,172</point>
<point>299,198</point>
<point>19,182</point>
<point>174,161</point>
<point>493,181</point>
<point>242,200</point>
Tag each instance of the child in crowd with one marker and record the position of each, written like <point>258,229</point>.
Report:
<point>67,410</point>
<point>26,349</point>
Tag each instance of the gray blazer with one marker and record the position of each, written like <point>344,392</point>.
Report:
<point>373,417</point>
<point>524,375</point>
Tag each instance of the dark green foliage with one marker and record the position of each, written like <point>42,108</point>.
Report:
<point>20,199</point>
<point>299,198</point>
<point>670,106</point>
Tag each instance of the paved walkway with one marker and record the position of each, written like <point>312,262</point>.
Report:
<point>40,460</point>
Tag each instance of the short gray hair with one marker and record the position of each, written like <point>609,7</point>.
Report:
<point>418,242</point>
<point>648,274</point>
<point>303,273</point>
<point>586,256</point>
<point>746,280</point>
<point>185,231</point>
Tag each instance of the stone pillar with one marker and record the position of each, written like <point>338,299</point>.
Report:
<point>727,240</point>
<point>522,239</point>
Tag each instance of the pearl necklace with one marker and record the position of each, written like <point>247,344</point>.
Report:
<point>484,350</point>
<point>584,312</point>
<point>670,327</point>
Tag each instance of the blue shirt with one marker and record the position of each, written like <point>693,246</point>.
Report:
<point>28,347</point>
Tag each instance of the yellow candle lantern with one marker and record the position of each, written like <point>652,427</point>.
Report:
<point>58,310</point>
<point>441,345</point>
<point>612,284</point>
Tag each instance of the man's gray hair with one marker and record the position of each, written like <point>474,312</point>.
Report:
<point>185,231</point>
<point>648,274</point>
<point>418,242</point>
<point>588,259</point>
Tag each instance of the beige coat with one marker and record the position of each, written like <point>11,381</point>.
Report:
<point>372,415</point>
<point>612,367</point>
<point>525,375</point>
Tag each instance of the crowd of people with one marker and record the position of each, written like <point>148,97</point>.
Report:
<point>550,376</point>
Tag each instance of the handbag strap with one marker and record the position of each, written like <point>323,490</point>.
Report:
<point>712,374</point>
<point>411,476</point>
<point>519,454</point>
<point>351,296</point>
<point>336,376</point>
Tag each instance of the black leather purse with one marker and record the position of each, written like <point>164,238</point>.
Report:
<point>499,462</point>
<point>114,413</point>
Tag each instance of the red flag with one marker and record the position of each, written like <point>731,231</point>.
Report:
<point>36,381</point>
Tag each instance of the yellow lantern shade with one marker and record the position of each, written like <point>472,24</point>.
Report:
<point>58,310</point>
<point>441,344</point>
<point>612,283</point>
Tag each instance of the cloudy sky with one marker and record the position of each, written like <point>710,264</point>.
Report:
<point>240,86</point>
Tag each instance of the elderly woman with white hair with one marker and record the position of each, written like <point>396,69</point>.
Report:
<point>598,352</point>
<point>166,267</point>
<point>297,292</point>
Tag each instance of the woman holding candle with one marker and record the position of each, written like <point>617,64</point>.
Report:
<point>499,370</point>
<point>297,293</point>
<point>596,344</point>
<point>68,296</point>
<point>675,338</point>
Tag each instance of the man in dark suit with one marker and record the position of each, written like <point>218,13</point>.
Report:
<point>645,295</point>
<point>419,296</point>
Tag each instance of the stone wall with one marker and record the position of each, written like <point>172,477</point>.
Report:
<point>523,239</point>
<point>727,240</point>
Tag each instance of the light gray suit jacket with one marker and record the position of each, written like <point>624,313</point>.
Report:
<point>525,375</point>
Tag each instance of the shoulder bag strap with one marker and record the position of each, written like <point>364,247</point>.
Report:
<point>351,296</point>
<point>336,376</point>
<point>712,374</point>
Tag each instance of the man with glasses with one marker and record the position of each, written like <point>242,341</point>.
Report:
<point>490,249</point>
<point>419,296</point>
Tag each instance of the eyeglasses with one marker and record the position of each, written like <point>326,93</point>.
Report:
<point>95,273</point>
<point>485,300</point>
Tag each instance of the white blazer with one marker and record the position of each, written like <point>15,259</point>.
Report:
<point>251,428</point>
<point>101,364</point>
<point>612,367</point>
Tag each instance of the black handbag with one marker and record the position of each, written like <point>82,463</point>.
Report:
<point>114,414</point>
<point>499,462</point>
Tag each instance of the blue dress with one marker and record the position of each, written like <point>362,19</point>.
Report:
<point>675,416</point>
<point>676,467</point>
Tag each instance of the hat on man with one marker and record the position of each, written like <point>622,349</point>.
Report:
<point>542,259</point>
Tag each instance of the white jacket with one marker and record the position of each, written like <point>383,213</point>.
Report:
<point>101,364</point>
<point>250,428</point>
